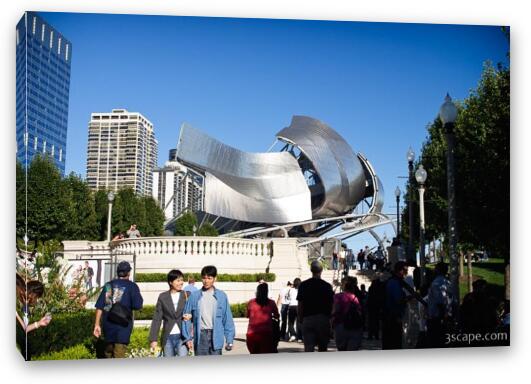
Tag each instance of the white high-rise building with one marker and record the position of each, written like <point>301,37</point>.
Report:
<point>177,188</point>
<point>122,152</point>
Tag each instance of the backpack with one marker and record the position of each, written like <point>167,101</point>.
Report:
<point>119,314</point>
<point>353,319</point>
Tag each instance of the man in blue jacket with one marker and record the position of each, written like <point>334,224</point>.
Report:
<point>208,310</point>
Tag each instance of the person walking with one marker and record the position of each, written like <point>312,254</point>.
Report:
<point>315,299</point>
<point>262,313</point>
<point>335,263</point>
<point>190,287</point>
<point>117,300</point>
<point>208,310</point>
<point>374,307</point>
<point>361,259</point>
<point>293,306</point>
<point>283,301</point>
<point>169,310</point>
<point>439,307</point>
<point>394,307</point>
<point>347,317</point>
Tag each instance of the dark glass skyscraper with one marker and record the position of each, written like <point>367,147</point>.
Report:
<point>43,83</point>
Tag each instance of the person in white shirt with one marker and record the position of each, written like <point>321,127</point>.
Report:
<point>169,308</point>
<point>283,301</point>
<point>292,312</point>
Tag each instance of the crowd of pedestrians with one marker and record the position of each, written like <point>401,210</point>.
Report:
<point>198,321</point>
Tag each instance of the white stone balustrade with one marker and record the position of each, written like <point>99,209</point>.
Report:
<point>190,253</point>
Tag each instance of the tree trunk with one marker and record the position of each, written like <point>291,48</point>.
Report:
<point>461,264</point>
<point>469,265</point>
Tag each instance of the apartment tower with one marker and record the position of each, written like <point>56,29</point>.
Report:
<point>122,152</point>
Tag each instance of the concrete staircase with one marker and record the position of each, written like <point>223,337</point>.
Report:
<point>334,277</point>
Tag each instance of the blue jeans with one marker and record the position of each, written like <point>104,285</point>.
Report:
<point>174,346</point>
<point>206,345</point>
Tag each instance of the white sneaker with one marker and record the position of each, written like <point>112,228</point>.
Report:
<point>292,338</point>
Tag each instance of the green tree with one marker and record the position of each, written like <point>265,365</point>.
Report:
<point>482,133</point>
<point>82,224</point>
<point>207,229</point>
<point>154,224</point>
<point>184,224</point>
<point>47,201</point>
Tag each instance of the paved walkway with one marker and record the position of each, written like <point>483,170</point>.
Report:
<point>240,347</point>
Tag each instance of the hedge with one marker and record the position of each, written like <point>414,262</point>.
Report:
<point>64,331</point>
<point>77,352</point>
<point>223,277</point>
<point>146,313</point>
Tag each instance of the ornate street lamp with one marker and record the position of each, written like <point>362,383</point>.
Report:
<point>410,158</point>
<point>397,195</point>
<point>110,198</point>
<point>194,229</point>
<point>420,176</point>
<point>448,115</point>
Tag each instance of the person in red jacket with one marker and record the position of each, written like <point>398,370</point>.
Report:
<point>261,312</point>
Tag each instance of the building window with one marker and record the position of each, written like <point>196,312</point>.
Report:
<point>51,39</point>
<point>18,37</point>
<point>44,147</point>
<point>43,28</point>
<point>53,149</point>
<point>59,46</point>
<point>67,48</point>
<point>60,154</point>
<point>34,24</point>
<point>35,142</point>
<point>25,139</point>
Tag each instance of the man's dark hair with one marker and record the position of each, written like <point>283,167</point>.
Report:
<point>441,268</point>
<point>174,274</point>
<point>296,283</point>
<point>399,266</point>
<point>209,270</point>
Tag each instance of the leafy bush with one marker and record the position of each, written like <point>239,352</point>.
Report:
<point>64,331</point>
<point>223,277</point>
<point>139,338</point>
<point>146,313</point>
<point>77,352</point>
<point>239,310</point>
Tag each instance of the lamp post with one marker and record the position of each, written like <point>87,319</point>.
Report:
<point>410,158</point>
<point>194,229</point>
<point>448,115</point>
<point>420,176</point>
<point>110,198</point>
<point>397,195</point>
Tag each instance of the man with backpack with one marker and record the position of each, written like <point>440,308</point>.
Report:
<point>117,300</point>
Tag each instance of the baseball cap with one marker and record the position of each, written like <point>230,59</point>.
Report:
<point>123,267</point>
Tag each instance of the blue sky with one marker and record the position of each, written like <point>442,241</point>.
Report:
<point>241,80</point>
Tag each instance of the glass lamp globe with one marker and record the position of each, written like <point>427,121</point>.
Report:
<point>397,192</point>
<point>110,196</point>
<point>421,175</point>
<point>448,111</point>
<point>410,155</point>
